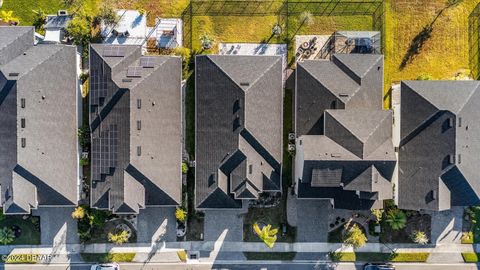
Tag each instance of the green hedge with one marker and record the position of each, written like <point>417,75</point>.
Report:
<point>470,257</point>
<point>108,257</point>
<point>378,257</point>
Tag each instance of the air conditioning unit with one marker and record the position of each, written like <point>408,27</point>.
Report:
<point>291,147</point>
<point>62,12</point>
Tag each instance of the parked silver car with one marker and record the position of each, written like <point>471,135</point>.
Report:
<point>105,266</point>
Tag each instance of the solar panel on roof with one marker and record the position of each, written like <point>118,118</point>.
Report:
<point>134,72</point>
<point>147,62</point>
<point>113,51</point>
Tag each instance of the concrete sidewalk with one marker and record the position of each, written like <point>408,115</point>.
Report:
<point>167,251</point>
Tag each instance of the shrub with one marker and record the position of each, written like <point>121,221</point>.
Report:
<point>84,136</point>
<point>119,237</point>
<point>108,15</point>
<point>181,214</point>
<point>184,168</point>
<point>142,11</point>
<point>419,237</point>
<point>396,219</point>
<point>207,41</point>
<point>425,77</point>
<point>355,237</point>
<point>182,255</point>
<point>266,234</point>
<point>6,236</point>
<point>84,161</point>
<point>78,213</point>
<point>378,213</point>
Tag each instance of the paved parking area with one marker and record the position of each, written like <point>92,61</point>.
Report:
<point>156,224</point>
<point>223,224</point>
<point>57,225</point>
<point>312,220</point>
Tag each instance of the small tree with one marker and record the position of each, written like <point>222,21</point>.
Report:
<point>119,237</point>
<point>78,213</point>
<point>306,18</point>
<point>184,168</point>
<point>6,236</point>
<point>181,214</point>
<point>79,29</point>
<point>266,234</point>
<point>378,213</point>
<point>419,237</point>
<point>39,18</point>
<point>355,237</point>
<point>206,41</point>
<point>108,15</point>
<point>396,219</point>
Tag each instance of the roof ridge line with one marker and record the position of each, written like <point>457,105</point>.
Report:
<point>18,37</point>
<point>263,74</point>
<point>313,76</point>
<point>469,97</point>
<point>376,127</point>
<point>224,72</point>
<point>40,63</point>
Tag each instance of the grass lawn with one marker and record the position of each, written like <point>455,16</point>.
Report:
<point>470,257</point>
<point>30,232</point>
<point>157,8</point>
<point>378,257</point>
<point>107,257</point>
<point>442,55</point>
<point>23,9</point>
<point>269,256</point>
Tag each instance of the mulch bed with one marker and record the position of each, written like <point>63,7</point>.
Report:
<point>415,222</point>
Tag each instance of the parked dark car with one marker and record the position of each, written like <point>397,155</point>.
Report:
<point>378,266</point>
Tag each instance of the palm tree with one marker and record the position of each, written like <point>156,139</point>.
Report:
<point>180,214</point>
<point>119,237</point>
<point>267,234</point>
<point>6,236</point>
<point>396,219</point>
<point>420,237</point>
<point>7,16</point>
<point>206,41</point>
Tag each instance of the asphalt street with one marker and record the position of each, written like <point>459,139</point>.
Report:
<point>280,266</point>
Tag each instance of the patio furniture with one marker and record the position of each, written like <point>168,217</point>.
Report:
<point>305,45</point>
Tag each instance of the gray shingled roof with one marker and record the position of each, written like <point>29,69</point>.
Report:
<point>34,137</point>
<point>344,145</point>
<point>348,81</point>
<point>136,152</point>
<point>440,142</point>
<point>238,128</point>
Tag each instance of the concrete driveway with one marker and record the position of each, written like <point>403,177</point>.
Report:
<point>156,224</point>
<point>57,225</point>
<point>226,225</point>
<point>312,220</point>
